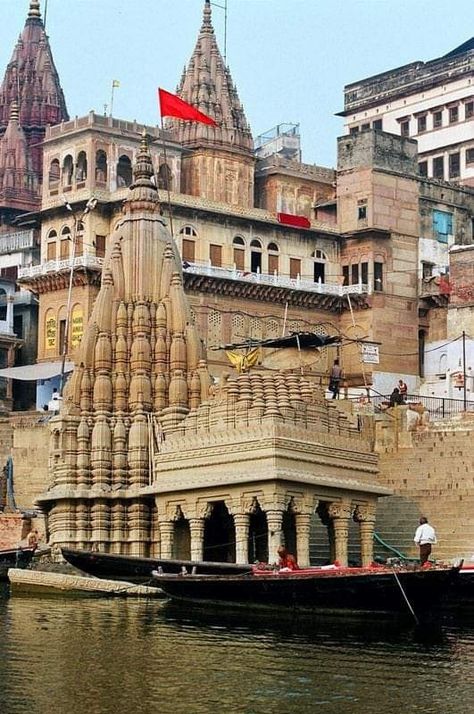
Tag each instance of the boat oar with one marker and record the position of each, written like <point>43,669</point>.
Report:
<point>405,597</point>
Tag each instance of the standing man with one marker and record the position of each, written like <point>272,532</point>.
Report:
<point>425,537</point>
<point>335,379</point>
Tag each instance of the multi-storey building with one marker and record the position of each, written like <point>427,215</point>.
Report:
<point>432,102</point>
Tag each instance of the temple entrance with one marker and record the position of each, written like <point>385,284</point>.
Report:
<point>258,537</point>
<point>219,535</point>
<point>182,540</point>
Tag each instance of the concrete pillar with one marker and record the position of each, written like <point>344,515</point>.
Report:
<point>303,521</point>
<point>339,513</point>
<point>241,524</point>
<point>275,533</point>
<point>167,536</point>
<point>10,299</point>
<point>196,529</point>
<point>365,516</point>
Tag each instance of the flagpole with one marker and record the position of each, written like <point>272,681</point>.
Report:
<point>170,213</point>
<point>115,83</point>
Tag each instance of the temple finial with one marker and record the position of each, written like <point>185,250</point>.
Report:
<point>14,111</point>
<point>206,15</point>
<point>34,10</point>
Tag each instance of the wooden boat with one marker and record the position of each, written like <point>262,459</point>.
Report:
<point>139,570</point>
<point>373,589</point>
<point>14,558</point>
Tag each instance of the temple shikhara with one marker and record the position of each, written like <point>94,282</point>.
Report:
<point>147,273</point>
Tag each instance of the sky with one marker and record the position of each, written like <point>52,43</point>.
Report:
<point>290,59</point>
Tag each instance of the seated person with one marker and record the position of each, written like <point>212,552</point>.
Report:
<point>286,560</point>
<point>396,398</point>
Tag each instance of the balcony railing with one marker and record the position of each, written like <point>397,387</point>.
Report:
<point>57,266</point>
<point>13,242</point>
<point>276,280</point>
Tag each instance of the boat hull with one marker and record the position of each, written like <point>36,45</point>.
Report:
<point>14,558</point>
<point>370,591</point>
<point>139,570</point>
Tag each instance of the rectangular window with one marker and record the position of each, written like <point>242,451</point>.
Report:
<point>377,124</point>
<point>354,273</point>
<point>188,250</point>
<point>364,273</point>
<point>442,225</point>
<point>378,277</point>
<point>454,165</point>
<point>438,167</point>
<point>469,156</point>
<point>51,250</point>
<point>64,248</point>
<point>239,259</point>
<point>100,246</point>
<point>215,254</point>
<point>272,264</point>
<point>421,123</point>
<point>361,210</point>
<point>405,128</point>
<point>427,270</point>
<point>295,268</point>
<point>354,130</point>
<point>423,168</point>
<point>79,244</point>
<point>365,127</point>
<point>469,110</point>
<point>345,275</point>
<point>453,115</point>
<point>319,272</point>
<point>437,120</point>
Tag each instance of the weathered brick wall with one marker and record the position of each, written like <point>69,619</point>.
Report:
<point>433,477</point>
<point>13,529</point>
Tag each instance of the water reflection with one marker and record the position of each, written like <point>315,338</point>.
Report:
<point>100,656</point>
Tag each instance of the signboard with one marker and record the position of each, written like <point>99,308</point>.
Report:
<point>51,333</point>
<point>77,327</point>
<point>370,354</point>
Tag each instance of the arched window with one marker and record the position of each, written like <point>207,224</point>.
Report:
<point>273,259</point>
<point>319,266</point>
<point>65,243</point>
<point>101,167</point>
<point>68,170</point>
<point>255,256</point>
<point>188,231</point>
<point>81,167</point>
<point>124,171</point>
<point>54,173</point>
<point>165,177</point>
<point>51,245</point>
<point>239,252</point>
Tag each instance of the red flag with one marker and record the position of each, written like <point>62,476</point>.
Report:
<point>173,106</point>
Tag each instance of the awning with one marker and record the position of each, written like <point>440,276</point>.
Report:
<point>32,372</point>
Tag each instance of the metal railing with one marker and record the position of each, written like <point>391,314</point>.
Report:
<point>55,266</point>
<point>277,280</point>
<point>438,407</point>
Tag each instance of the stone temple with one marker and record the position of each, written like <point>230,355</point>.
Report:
<point>150,457</point>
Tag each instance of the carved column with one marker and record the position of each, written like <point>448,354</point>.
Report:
<point>166,537</point>
<point>241,524</point>
<point>339,513</point>
<point>196,529</point>
<point>303,524</point>
<point>364,515</point>
<point>275,533</point>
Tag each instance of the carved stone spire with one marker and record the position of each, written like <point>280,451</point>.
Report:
<point>19,186</point>
<point>207,85</point>
<point>32,80</point>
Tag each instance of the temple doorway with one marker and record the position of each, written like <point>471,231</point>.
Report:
<point>182,540</point>
<point>219,535</point>
<point>258,537</point>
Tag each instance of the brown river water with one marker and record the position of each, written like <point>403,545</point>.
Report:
<point>100,656</point>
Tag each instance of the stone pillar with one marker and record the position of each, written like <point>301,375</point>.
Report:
<point>241,524</point>
<point>10,301</point>
<point>166,536</point>
<point>196,529</point>
<point>303,522</point>
<point>365,517</point>
<point>339,513</point>
<point>275,533</point>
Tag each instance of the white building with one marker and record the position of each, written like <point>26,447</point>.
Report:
<point>432,102</point>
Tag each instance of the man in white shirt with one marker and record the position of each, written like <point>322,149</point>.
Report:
<point>425,537</point>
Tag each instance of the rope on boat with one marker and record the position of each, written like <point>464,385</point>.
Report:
<point>405,597</point>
